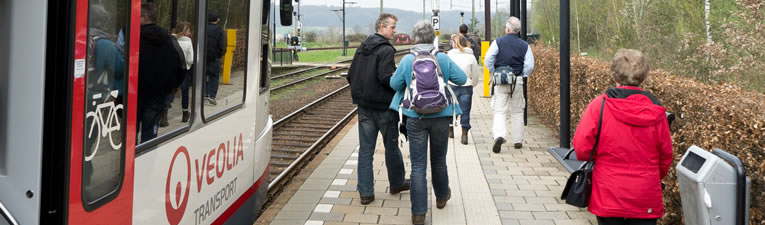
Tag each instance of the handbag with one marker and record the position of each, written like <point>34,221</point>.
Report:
<point>579,185</point>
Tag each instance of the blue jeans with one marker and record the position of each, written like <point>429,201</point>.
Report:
<point>465,98</point>
<point>185,90</point>
<point>370,122</point>
<point>149,112</point>
<point>437,129</point>
<point>213,75</point>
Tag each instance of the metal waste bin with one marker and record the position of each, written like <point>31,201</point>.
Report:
<point>711,190</point>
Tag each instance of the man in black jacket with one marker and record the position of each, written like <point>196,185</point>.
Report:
<point>473,44</point>
<point>158,72</point>
<point>216,48</point>
<point>369,77</point>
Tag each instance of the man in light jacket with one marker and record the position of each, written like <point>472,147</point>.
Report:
<point>513,52</point>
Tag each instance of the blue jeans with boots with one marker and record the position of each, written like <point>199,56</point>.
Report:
<point>435,130</point>
<point>371,122</point>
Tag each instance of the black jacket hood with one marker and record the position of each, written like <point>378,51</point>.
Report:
<point>372,42</point>
<point>153,34</point>
<point>624,93</point>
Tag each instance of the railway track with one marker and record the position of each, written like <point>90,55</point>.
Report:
<point>298,136</point>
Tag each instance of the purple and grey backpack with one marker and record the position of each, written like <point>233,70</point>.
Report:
<point>426,93</point>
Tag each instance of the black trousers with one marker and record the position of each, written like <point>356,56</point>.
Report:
<point>624,221</point>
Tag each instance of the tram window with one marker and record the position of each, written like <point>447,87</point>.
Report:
<point>225,56</point>
<point>265,62</point>
<point>165,73</point>
<point>105,108</point>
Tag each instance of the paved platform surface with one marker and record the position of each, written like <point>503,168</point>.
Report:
<point>513,187</point>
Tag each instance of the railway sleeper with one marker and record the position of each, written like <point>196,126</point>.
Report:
<point>324,121</point>
<point>296,133</point>
<point>278,163</point>
<point>288,149</point>
<point>323,114</point>
<point>285,156</point>
<point>338,108</point>
<point>312,126</point>
<point>293,145</point>
<point>310,131</point>
<point>299,139</point>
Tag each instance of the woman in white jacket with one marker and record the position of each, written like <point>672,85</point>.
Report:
<point>183,31</point>
<point>463,56</point>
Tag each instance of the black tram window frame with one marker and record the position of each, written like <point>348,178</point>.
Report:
<point>111,195</point>
<point>146,147</point>
<point>240,105</point>
<point>264,83</point>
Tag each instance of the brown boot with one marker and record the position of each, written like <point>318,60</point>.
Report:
<point>185,116</point>
<point>418,219</point>
<point>464,136</point>
<point>163,122</point>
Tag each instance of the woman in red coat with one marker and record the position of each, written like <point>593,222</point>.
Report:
<point>635,148</point>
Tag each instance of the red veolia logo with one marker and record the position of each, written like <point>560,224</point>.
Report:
<point>177,193</point>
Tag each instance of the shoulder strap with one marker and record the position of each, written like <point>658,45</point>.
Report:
<point>438,65</point>
<point>597,136</point>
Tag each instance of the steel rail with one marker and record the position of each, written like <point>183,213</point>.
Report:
<point>295,72</point>
<point>305,79</point>
<point>310,151</point>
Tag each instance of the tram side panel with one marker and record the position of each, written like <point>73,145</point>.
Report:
<point>21,97</point>
<point>217,173</point>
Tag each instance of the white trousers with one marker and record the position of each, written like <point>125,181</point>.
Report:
<point>500,102</point>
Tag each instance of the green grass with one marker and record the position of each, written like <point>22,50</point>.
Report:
<point>317,44</point>
<point>325,55</point>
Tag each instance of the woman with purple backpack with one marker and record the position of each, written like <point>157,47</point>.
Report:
<point>424,101</point>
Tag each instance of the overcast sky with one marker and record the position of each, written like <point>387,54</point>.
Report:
<point>414,5</point>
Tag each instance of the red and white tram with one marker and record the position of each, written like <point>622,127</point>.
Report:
<point>69,150</point>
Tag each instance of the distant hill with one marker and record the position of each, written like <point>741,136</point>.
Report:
<point>361,20</point>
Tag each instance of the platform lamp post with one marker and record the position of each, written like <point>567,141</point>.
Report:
<point>487,19</point>
<point>345,48</point>
<point>472,21</point>
<point>462,18</point>
<point>423,9</point>
<point>565,66</point>
<point>436,21</point>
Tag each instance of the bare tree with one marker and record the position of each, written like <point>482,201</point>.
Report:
<point>707,6</point>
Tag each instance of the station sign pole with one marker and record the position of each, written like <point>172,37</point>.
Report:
<point>436,21</point>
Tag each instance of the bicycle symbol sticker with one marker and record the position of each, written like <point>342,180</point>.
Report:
<point>105,126</point>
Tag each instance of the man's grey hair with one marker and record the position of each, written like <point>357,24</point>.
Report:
<point>514,24</point>
<point>384,19</point>
<point>423,32</point>
<point>98,16</point>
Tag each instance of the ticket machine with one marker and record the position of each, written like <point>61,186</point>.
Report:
<point>712,191</point>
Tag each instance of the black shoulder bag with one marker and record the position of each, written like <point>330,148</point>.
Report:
<point>579,186</point>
